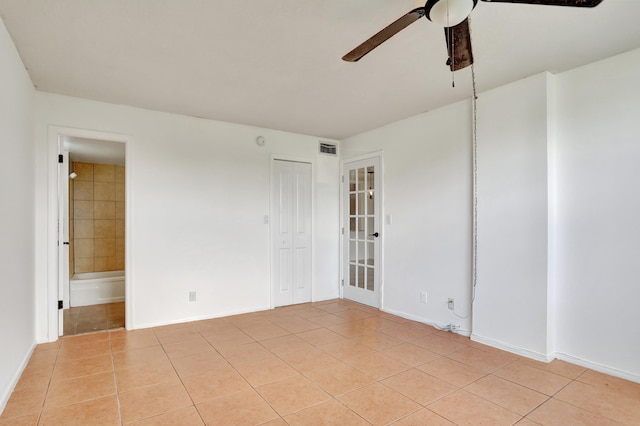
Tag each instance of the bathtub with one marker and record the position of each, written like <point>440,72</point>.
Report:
<point>94,288</point>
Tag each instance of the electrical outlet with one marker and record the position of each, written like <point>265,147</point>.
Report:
<point>450,304</point>
<point>192,296</point>
<point>423,297</point>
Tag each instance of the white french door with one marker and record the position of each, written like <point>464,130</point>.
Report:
<point>361,231</point>
<point>291,232</point>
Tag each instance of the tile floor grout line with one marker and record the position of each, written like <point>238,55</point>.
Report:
<point>115,379</point>
<point>46,394</point>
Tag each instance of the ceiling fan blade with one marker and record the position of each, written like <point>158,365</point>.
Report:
<point>459,46</point>
<point>572,3</point>
<point>384,35</point>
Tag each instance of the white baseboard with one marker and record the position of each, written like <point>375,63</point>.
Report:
<point>426,321</point>
<point>513,349</point>
<point>6,393</point>
<point>561,356</point>
<point>599,367</point>
<point>198,318</point>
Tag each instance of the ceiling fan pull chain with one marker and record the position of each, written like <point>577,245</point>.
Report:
<point>452,36</point>
<point>453,57</point>
<point>474,153</point>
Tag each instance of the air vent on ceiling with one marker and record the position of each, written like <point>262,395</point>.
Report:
<point>328,148</point>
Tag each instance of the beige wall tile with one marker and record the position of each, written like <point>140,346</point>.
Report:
<point>104,209</point>
<point>119,248</point>
<point>82,229</point>
<point>119,191</point>
<point>101,264</point>
<point>120,174</point>
<point>83,191</point>
<point>93,224</point>
<point>104,191</point>
<point>83,210</point>
<point>104,173</point>
<point>85,264</point>
<point>120,228</point>
<point>105,247</point>
<point>119,264</point>
<point>104,228</point>
<point>120,210</point>
<point>84,247</point>
<point>105,264</point>
<point>84,171</point>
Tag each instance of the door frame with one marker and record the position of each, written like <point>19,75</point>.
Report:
<point>65,232</point>
<point>379,155</point>
<point>293,159</point>
<point>55,134</point>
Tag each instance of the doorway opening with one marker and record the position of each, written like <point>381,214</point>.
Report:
<point>88,282</point>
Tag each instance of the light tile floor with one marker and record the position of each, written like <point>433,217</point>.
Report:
<point>329,363</point>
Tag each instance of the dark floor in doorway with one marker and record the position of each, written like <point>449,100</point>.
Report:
<point>87,319</point>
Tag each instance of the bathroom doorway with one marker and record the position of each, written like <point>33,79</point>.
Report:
<point>92,223</point>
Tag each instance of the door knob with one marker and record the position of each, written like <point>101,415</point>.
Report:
<point>375,234</point>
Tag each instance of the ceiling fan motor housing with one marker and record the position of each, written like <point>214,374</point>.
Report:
<point>449,13</point>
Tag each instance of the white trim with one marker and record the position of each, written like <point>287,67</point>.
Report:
<point>54,134</point>
<point>513,349</point>
<point>599,367</point>
<point>314,179</point>
<point>359,157</point>
<point>203,317</point>
<point>426,321</point>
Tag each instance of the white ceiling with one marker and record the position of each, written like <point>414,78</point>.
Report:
<point>276,63</point>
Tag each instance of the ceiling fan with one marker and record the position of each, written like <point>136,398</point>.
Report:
<point>453,16</point>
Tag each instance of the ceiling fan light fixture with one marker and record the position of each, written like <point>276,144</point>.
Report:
<point>449,13</point>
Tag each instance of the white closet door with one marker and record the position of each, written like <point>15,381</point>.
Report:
<point>291,232</point>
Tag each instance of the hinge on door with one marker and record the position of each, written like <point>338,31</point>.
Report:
<point>60,158</point>
<point>342,283</point>
<point>59,304</point>
<point>342,178</point>
<point>342,231</point>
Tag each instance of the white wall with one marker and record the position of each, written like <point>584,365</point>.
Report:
<point>510,308</point>
<point>199,190</point>
<point>17,317</point>
<point>599,214</point>
<point>427,192</point>
<point>558,215</point>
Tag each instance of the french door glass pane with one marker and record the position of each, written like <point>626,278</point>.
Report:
<point>370,279</point>
<point>352,204</point>
<point>352,275</point>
